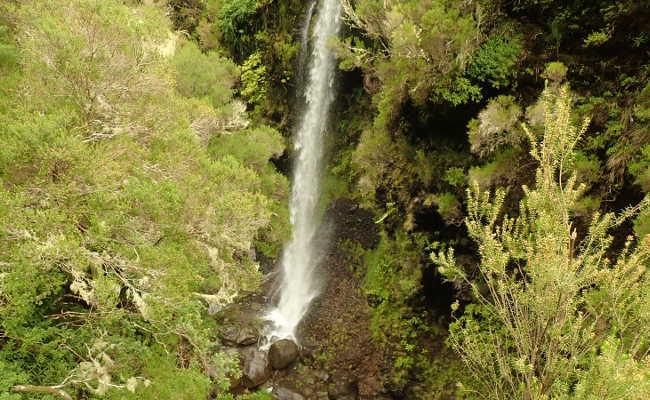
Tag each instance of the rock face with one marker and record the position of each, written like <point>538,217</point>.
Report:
<point>282,353</point>
<point>255,367</point>
<point>282,393</point>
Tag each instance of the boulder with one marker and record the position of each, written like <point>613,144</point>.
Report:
<point>255,367</point>
<point>239,335</point>
<point>247,335</point>
<point>282,353</point>
<point>282,393</point>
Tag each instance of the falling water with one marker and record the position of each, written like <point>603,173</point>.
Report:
<point>299,285</point>
<point>303,55</point>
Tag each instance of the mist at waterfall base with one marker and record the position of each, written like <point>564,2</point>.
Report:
<point>299,283</point>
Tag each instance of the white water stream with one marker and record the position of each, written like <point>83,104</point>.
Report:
<point>299,281</point>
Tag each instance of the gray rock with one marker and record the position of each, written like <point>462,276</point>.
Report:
<point>242,335</point>
<point>247,335</point>
<point>282,353</point>
<point>255,367</point>
<point>282,393</point>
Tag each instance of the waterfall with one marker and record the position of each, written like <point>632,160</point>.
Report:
<point>304,52</point>
<point>299,283</point>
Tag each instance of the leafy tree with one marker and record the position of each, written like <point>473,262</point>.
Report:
<point>554,317</point>
<point>419,50</point>
<point>204,75</point>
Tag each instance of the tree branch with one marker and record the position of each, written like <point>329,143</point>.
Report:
<point>55,390</point>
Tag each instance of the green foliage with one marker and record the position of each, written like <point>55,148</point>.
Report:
<point>118,227</point>
<point>253,147</point>
<point>496,172</point>
<point>373,158</point>
<point>586,206</point>
<point>202,75</point>
<point>260,395</point>
<point>640,169</point>
<point>642,224</point>
<point>555,71</point>
<point>234,20</point>
<point>393,275</point>
<point>161,369</point>
<point>8,51</point>
<point>448,207</point>
<point>185,14</point>
<point>254,79</point>
<point>604,380</point>
<point>495,61</point>
<point>392,279</point>
<point>393,272</point>
<point>588,168</point>
<point>455,176</point>
<point>547,302</point>
<point>597,38</point>
<point>420,51</point>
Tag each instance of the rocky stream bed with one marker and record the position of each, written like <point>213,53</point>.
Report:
<point>336,357</point>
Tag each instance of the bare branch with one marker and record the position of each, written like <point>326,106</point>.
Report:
<point>55,390</point>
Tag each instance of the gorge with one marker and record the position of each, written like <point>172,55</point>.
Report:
<point>324,199</point>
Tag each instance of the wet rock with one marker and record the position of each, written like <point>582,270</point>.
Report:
<point>255,367</point>
<point>247,335</point>
<point>282,393</point>
<point>229,335</point>
<point>282,353</point>
<point>242,335</point>
<point>343,388</point>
